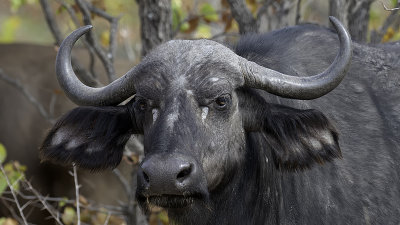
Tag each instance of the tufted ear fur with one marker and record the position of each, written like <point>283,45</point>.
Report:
<point>90,137</point>
<point>298,138</point>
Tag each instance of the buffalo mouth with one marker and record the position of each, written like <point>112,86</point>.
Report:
<point>169,201</point>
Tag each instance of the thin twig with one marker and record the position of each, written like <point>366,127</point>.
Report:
<point>14,195</point>
<point>90,49</point>
<point>377,35</point>
<point>78,211</point>
<point>17,84</point>
<point>298,11</point>
<point>242,15</point>
<point>263,9</point>
<point>48,207</point>
<point>105,209</point>
<point>123,181</point>
<point>223,33</point>
<point>387,9</point>
<point>116,210</point>
<point>107,219</point>
<point>12,211</point>
<point>87,77</point>
<point>93,41</point>
<point>52,104</point>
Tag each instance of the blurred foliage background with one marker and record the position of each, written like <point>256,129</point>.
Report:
<point>22,21</point>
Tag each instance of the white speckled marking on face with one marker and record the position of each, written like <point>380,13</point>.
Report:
<point>204,113</point>
<point>155,114</point>
<point>171,119</point>
<point>173,116</point>
<point>214,79</point>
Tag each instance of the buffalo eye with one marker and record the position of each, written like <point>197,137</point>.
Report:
<point>223,101</point>
<point>141,104</point>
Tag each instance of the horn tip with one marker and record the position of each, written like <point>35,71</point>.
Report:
<point>333,19</point>
<point>88,27</point>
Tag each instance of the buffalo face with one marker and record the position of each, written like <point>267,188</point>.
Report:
<point>193,131</point>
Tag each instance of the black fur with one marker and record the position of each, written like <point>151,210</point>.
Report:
<point>291,133</point>
<point>90,137</point>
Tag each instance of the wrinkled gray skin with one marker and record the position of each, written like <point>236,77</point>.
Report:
<point>240,172</point>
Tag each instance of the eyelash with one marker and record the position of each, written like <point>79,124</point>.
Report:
<point>222,102</point>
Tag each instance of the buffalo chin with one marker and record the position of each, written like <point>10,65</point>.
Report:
<point>171,202</point>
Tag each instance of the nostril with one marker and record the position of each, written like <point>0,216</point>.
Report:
<point>184,173</point>
<point>146,177</point>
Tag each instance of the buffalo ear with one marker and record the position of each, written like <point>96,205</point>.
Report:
<point>89,137</point>
<point>300,138</point>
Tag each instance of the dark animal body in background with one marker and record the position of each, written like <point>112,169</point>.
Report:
<point>218,151</point>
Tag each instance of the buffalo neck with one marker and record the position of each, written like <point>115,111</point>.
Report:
<point>252,196</point>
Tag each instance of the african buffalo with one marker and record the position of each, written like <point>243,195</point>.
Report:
<point>219,149</point>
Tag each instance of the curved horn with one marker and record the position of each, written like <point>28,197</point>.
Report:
<point>112,94</point>
<point>256,76</point>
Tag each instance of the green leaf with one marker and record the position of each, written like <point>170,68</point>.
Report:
<point>3,153</point>
<point>14,176</point>
<point>163,216</point>
<point>3,184</point>
<point>69,216</point>
<point>178,15</point>
<point>16,4</point>
<point>209,13</point>
<point>203,31</point>
<point>9,28</point>
<point>63,202</point>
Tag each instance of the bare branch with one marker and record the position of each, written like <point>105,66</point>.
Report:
<point>14,195</point>
<point>104,57</point>
<point>51,22</point>
<point>87,77</point>
<point>52,105</point>
<point>263,9</point>
<point>70,11</point>
<point>78,210</point>
<point>377,35</point>
<point>113,30</point>
<point>17,84</point>
<point>74,18</point>
<point>298,11</point>
<point>107,219</point>
<point>47,206</point>
<point>12,211</point>
<point>224,34</point>
<point>242,15</point>
<point>388,9</point>
<point>123,181</point>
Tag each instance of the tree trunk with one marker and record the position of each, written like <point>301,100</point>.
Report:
<point>278,14</point>
<point>155,23</point>
<point>354,14</point>
<point>242,15</point>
